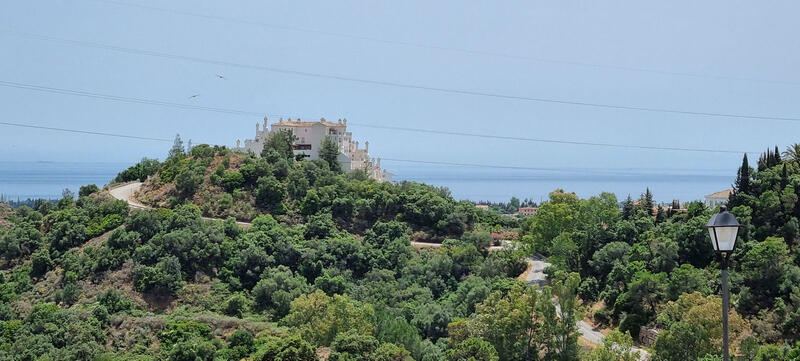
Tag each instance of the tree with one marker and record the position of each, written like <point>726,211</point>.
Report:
<point>280,142</point>
<point>187,181</point>
<point>329,152</point>
<point>681,342</point>
<point>163,278</point>
<point>277,289</point>
<point>792,153</point>
<point>232,181</point>
<point>627,208</point>
<point>702,312</point>
<point>646,202</point>
<point>319,317</point>
<point>617,346</point>
<point>291,348</point>
<point>472,349</point>
<point>270,193</point>
<point>352,345</point>
<point>87,190</point>
<point>177,148</point>
<point>556,216</point>
<point>742,184</point>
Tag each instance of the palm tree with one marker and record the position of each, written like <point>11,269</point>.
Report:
<point>793,153</point>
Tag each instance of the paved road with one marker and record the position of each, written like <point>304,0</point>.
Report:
<point>125,193</point>
<point>535,276</point>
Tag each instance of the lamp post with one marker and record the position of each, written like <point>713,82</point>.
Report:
<point>723,228</point>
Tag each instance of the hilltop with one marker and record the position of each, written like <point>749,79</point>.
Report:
<point>223,184</point>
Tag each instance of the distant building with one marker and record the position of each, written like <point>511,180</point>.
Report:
<point>484,207</point>
<point>308,140</point>
<point>719,198</point>
<point>528,211</point>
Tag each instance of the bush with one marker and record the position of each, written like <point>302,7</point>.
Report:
<point>202,151</point>
<point>183,330</point>
<point>291,348</point>
<point>87,190</point>
<point>270,192</point>
<point>187,181</point>
<point>163,278</point>
<point>114,301</point>
<point>40,262</point>
<point>236,305</point>
<point>232,180</point>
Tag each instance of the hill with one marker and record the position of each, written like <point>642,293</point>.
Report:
<point>326,268</point>
<point>225,184</point>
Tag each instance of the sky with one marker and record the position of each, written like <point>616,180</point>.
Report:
<point>745,53</point>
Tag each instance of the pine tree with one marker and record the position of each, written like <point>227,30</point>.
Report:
<point>661,216</point>
<point>627,208</point>
<point>177,148</point>
<point>647,201</point>
<point>329,152</point>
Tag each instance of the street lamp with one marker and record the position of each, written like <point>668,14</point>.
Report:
<point>723,228</point>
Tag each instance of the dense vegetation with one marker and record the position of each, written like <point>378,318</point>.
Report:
<point>642,264</point>
<point>325,270</point>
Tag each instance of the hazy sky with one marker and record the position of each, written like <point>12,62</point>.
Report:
<point>734,40</point>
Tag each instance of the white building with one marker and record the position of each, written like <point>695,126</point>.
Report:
<point>308,140</point>
<point>717,199</point>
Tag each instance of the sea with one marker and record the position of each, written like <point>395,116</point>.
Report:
<point>23,180</point>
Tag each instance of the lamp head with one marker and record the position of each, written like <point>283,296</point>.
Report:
<point>723,229</point>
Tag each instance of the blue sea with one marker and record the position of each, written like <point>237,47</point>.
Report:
<point>22,180</point>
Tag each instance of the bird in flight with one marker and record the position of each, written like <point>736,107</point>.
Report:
<point>194,96</point>
<point>220,76</point>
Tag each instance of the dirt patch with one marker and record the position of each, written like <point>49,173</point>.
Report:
<point>324,353</point>
<point>121,280</point>
<point>96,241</point>
<point>6,212</point>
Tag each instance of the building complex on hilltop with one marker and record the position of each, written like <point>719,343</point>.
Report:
<point>308,140</point>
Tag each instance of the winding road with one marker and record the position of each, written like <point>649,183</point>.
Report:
<point>535,275</point>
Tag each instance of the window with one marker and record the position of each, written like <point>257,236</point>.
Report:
<point>301,147</point>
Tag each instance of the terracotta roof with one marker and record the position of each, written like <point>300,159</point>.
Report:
<point>721,194</point>
<point>306,124</point>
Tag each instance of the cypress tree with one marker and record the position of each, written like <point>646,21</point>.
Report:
<point>784,176</point>
<point>742,184</point>
<point>777,156</point>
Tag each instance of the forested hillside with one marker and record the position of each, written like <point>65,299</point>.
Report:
<point>326,270</point>
<point>642,265</point>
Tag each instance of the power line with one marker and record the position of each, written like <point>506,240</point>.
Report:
<point>145,101</point>
<point>542,140</point>
<point>443,48</point>
<point>401,85</point>
<point>83,131</point>
<point>87,94</point>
